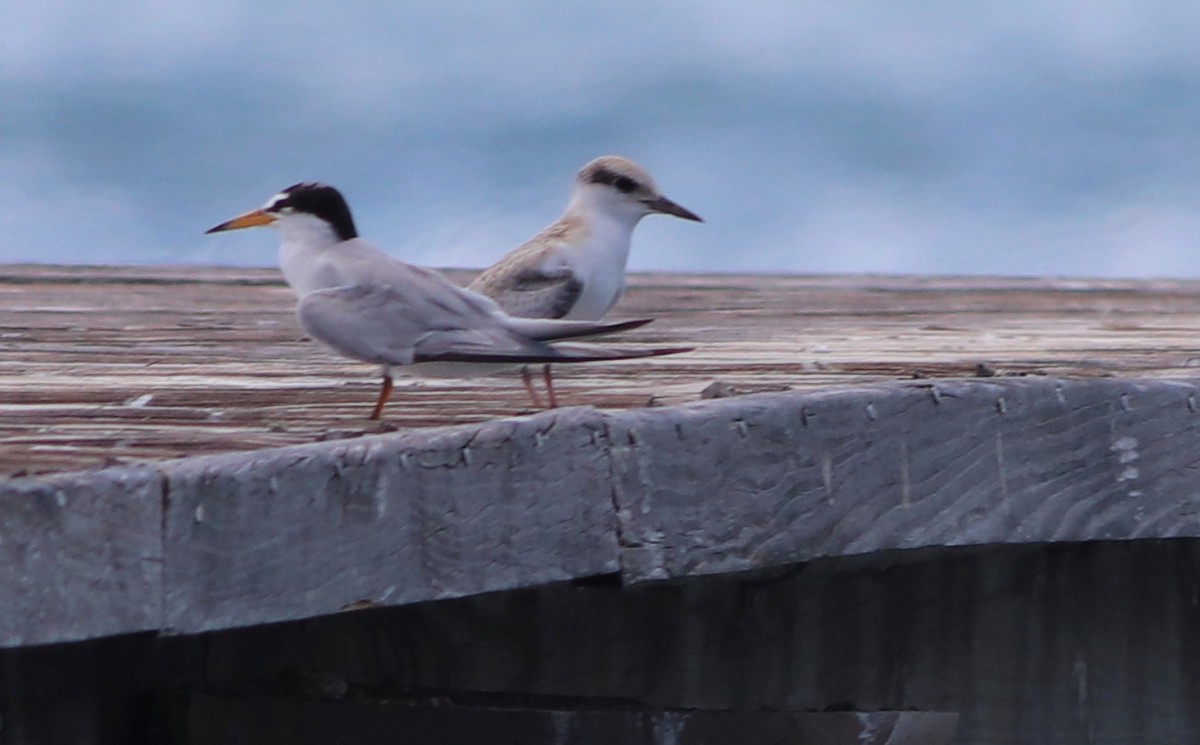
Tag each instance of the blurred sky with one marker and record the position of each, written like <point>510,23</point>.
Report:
<point>1032,138</point>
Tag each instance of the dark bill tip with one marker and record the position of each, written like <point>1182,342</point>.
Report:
<point>667,207</point>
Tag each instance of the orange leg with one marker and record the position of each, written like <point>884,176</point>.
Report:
<point>385,392</point>
<point>527,379</point>
<point>549,386</point>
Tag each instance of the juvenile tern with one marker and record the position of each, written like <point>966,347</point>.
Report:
<point>575,268</point>
<point>371,307</point>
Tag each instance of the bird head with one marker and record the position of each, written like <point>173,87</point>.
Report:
<point>621,187</point>
<point>305,207</point>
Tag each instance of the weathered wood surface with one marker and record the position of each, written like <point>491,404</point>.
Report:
<point>766,480</point>
<point>1023,640</point>
<point>1094,642</point>
<point>736,484</point>
<point>303,531</point>
<point>80,556</point>
<point>105,364</point>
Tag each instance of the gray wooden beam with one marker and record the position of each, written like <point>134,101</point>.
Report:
<point>757,481</point>
<point>721,486</point>
<point>310,530</point>
<point>80,556</point>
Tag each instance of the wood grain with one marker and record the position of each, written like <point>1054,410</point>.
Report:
<point>858,523</point>
<point>80,556</point>
<point>311,530</point>
<point>104,364</point>
<point>733,485</point>
<point>754,482</point>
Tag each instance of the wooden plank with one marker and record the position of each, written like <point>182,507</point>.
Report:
<point>310,530</point>
<point>80,556</point>
<point>767,480</point>
<point>151,363</point>
<point>275,721</point>
<point>723,486</point>
<point>1095,642</point>
<point>1087,642</point>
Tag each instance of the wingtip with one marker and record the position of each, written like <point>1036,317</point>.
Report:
<point>635,323</point>
<point>663,351</point>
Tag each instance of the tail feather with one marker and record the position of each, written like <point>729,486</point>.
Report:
<point>551,329</point>
<point>556,354</point>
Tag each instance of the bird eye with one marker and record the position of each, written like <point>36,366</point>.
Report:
<point>625,184</point>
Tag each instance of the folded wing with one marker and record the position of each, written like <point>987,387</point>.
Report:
<point>531,292</point>
<point>385,325</point>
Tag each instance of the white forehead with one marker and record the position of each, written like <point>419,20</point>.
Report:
<point>274,201</point>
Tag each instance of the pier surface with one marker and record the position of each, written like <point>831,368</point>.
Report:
<point>958,505</point>
<point>112,365</point>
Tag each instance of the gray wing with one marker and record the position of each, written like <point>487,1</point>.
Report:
<point>379,323</point>
<point>358,322</point>
<point>521,286</point>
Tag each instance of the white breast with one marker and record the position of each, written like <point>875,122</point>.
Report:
<point>600,262</point>
<point>307,269</point>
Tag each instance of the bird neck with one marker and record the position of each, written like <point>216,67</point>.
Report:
<point>304,252</point>
<point>607,226</point>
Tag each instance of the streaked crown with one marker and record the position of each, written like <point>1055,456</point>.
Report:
<point>619,186</point>
<point>620,173</point>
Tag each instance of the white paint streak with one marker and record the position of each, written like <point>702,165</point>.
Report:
<point>140,402</point>
<point>1126,449</point>
<point>868,728</point>
<point>668,727</point>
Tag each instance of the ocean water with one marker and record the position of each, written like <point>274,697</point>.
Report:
<point>1021,138</point>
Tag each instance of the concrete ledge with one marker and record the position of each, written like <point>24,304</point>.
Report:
<point>721,486</point>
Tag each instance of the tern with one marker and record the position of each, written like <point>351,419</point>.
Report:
<point>575,268</point>
<point>368,306</point>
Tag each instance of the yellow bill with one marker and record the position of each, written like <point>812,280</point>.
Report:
<point>251,219</point>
